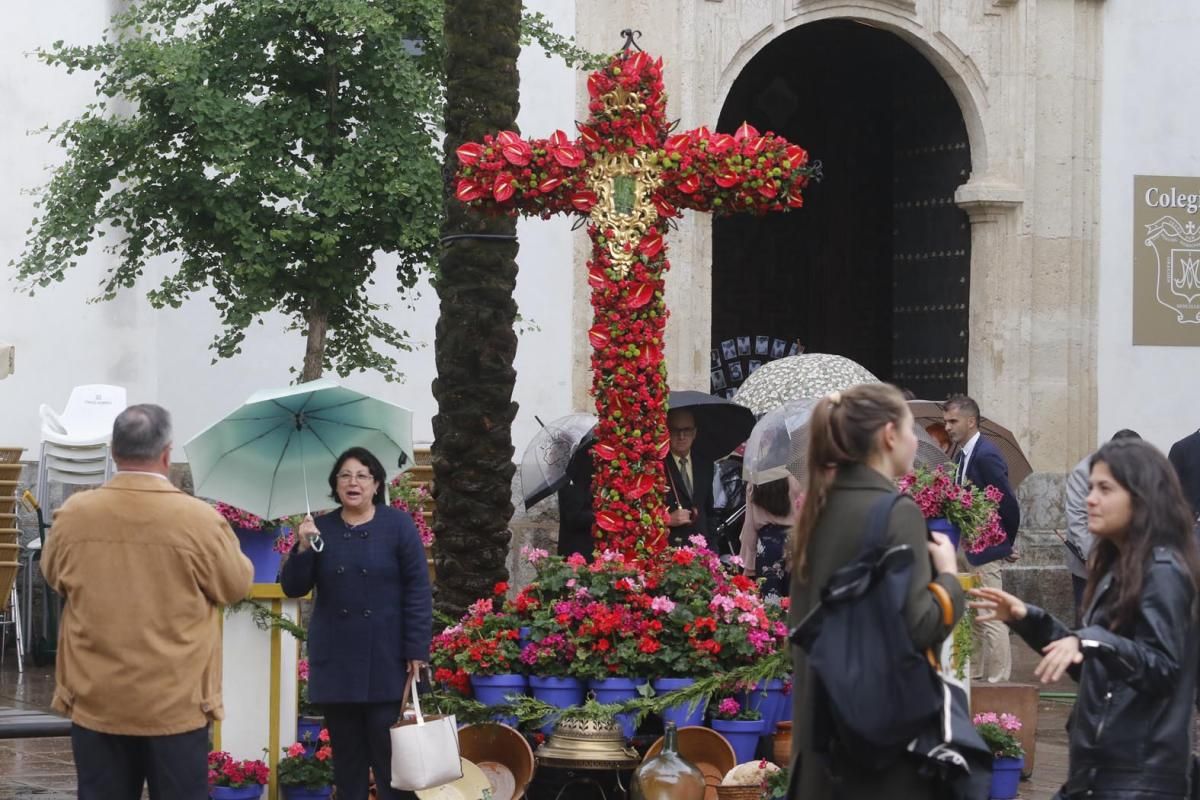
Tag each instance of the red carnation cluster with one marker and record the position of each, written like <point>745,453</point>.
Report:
<point>223,770</point>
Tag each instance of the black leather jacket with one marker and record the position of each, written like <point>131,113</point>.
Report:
<point>1130,730</point>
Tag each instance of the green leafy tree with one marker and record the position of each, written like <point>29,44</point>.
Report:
<point>271,149</point>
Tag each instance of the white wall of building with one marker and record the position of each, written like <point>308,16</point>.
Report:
<point>1148,127</point>
<point>163,356</point>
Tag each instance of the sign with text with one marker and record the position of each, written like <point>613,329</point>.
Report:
<point>1166,260</point>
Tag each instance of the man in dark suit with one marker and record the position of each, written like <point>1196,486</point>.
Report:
<point>1185,458</point>
<point>575,516</point>
<point>689,481</point>
<point>980,463</point>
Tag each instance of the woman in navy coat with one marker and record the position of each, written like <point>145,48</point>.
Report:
<point>371,622</point>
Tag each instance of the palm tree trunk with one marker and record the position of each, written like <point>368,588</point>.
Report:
<point>475,344</point>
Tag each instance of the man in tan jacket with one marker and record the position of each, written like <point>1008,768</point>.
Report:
<point>143,569</point>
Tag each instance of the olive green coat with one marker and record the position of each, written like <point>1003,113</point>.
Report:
<point>835,542</point>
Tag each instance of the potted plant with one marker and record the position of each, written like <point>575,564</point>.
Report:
<point>775,783</point>
<point>407,495</point>
<point>967,514</point>
<point>740,726</point>
<point>309,720</point>
<point>489,651</point>
<point>305,774</point>
<point>257,538</point>
<point>229,779</point>
<point>999,732</point>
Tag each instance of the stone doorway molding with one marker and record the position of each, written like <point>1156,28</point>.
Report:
<point>1025,74</point>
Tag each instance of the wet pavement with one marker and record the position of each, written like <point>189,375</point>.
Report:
<point>43,768</point>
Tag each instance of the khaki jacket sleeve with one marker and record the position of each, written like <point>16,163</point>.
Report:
<point>222,571</point>
<point>922,611</point>
<point>53,555</point>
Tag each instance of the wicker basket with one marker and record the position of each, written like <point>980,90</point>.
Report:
<point>739,792</point>
<point>10,455</point>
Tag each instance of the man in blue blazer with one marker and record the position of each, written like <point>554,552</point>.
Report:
<point>980,463</point>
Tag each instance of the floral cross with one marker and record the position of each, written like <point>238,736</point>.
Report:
<point>630,177</point>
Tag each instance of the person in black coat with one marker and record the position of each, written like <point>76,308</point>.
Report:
<point>372,620</point>
<point>575,515</point>
<point>1185,458</point>
<point>980,463</point>
<point>689,482</point>
<point>1135,654</point>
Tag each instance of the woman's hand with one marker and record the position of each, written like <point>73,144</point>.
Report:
<point>1060,654</point>
<point>306,531</point>
<point>415,667</point>
<point>941,550</point>
<point>997,604</point>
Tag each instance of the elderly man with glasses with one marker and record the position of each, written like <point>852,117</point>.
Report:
<point>689,482</point>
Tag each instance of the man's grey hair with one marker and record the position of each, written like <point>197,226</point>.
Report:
<point>141,433</point>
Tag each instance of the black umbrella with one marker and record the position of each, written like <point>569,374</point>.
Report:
<point>721,424</point>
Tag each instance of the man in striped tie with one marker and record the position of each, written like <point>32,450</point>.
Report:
<point>979,462</point>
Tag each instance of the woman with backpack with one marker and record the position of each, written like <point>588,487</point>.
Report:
<point>1135,654</point>
<point>861,441</point>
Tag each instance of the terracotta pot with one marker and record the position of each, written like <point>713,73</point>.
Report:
<point>781,744</point>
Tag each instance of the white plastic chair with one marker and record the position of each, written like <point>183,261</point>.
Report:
<point>88,418</point>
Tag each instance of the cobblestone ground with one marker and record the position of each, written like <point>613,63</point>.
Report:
<point>43,768</point>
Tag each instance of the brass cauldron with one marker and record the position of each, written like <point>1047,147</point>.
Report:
<point>587,744</point>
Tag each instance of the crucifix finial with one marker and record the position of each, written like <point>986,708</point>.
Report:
<point>630,35</point>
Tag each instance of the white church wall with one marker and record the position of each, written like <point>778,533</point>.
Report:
<point>1148,128</point>
<point>163,356</point>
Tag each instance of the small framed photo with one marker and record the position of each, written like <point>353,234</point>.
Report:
<point>794,350</point>
<point>743,345</point>
<point>779,348</point>
<point>729,350</point>
<point>753,365</point>
<point>717,380</point>
<point>735,373</point>
<point>762,345</point>
<point>714,361</point>
<point>728,393</point>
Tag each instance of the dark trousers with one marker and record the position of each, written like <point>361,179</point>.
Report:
<point>359,734</point>
<point>113,767</point>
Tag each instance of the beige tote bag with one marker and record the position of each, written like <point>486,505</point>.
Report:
<point>424,749</point>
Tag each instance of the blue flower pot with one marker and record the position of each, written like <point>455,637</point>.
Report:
<point>1006,777</point>
<point>742,736</point>
<point>259,547</point>
<point>235,793</point>
<point>558,692</point>
<point>685,713</point>
<point>618,690</point>
<point>942,525</point>
<point>491,690</point>
<point>523,637</point>
<point>307,731</point>
<point>768,700</point>
<point>305,793</point>
<point>785,709</point>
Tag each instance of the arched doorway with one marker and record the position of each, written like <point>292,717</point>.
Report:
<point>876,267</point>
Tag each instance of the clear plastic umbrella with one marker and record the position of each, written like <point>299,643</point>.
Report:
<point>778,445</point>
<point>544,463</point>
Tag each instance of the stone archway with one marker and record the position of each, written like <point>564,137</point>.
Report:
<point>877,266</point>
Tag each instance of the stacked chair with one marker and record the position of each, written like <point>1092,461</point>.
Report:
<point>74,452</point>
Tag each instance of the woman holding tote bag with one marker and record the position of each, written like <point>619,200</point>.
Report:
<point>372,619</point>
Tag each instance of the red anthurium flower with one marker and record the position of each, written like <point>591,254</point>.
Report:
<point>649,356</point>
<point>598,335</point>
<point>746,131</point>
<point>608,521</point>
<point>665,209</point>
<point>502,189</point>
<point>468,190</point>
<point>469,153</point>
<point>588,134</point>
<point>690,184</point>
<point>515,149</point>
<point>647,129</point>
<point>564,151</point>
<point>640,485</point>
<point>605,451</point>
<point>584,200</point>
<point>651,244</point>
<point>637,62</point>
<point>754,145</point>
<point>727,179</point>
<point>549,185</point>
<point>677,143</point>
<point>595,85</point>
<point>720,144</point>
<point>797,155</point>
<point>639,295</point>
<point>795,201</point>
<point>596,277</point>
<point>768,189</point>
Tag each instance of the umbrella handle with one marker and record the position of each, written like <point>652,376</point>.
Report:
<point>317,543</point>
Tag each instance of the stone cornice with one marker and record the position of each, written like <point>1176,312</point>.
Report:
<point>988,197</point>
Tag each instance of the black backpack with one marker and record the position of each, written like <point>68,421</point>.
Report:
<point>874,691</point>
